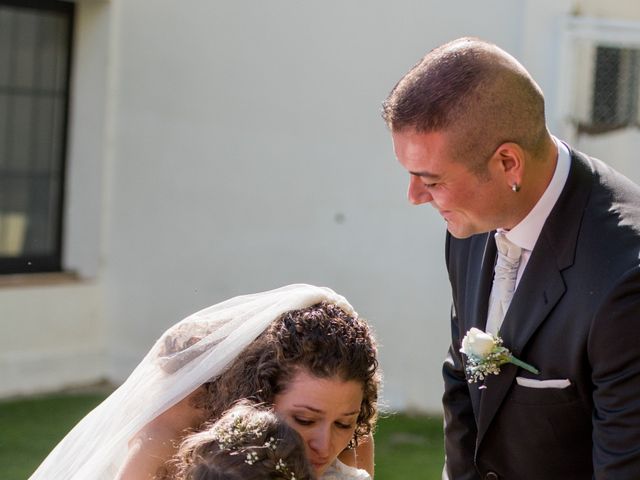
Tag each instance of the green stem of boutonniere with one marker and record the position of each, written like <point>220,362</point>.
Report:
<point>521,364</point>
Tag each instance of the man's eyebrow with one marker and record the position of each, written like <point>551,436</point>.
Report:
<point>424,174</point>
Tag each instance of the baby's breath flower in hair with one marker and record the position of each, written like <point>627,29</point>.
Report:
<point>238,437</point>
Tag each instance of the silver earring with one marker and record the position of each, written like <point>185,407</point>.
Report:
<point>515,187</point>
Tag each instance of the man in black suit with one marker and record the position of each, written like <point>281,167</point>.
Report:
<point>468,124</point>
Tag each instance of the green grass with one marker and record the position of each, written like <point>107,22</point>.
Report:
<point>407,447</point>
<point>30,428</point>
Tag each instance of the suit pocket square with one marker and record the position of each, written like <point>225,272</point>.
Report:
<point>533,383</point>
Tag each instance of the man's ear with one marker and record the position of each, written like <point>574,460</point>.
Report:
<point>511,158</point>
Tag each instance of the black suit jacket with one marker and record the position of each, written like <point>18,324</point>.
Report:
<point>575,315</point>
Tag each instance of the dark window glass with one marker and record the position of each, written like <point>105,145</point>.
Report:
<point>35,49</point>
<point>605,97</point>
<point>615,89</point>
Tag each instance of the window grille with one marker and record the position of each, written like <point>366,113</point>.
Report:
<point>615,88</point>
<point>606,87</point>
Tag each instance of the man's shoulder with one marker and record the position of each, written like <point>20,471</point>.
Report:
<point>606,176</point>
<point>607,225</point>
<point>612,193</point>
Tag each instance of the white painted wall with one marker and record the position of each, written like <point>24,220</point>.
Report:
<point>617,148</point>
<point>249,153</point>
<point>52,335</point>
<point>620,9</point>
<point>221,148</point>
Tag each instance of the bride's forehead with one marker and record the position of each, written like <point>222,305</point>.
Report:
<point>322,390</point>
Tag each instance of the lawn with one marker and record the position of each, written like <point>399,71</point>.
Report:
<point>30,428</point>
<point>407,447</point>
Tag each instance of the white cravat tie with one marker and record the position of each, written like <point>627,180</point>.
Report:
<point>504,282</point>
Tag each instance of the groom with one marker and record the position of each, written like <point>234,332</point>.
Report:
<point>468,125</point>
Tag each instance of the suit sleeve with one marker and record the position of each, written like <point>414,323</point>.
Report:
<point>614,355</point>
<point>459,422</point>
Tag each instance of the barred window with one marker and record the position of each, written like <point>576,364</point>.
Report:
<point>613,93</point>
<point>615,97</point>
<point>35,58</point>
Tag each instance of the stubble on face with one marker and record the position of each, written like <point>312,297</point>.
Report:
<point>470,201</point>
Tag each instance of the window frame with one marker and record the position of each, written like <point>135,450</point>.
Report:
<point>50,262</point>
<point>576,73</point>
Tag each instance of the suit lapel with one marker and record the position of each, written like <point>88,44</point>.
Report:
<point>481,286</point>
<point>538,292</point>
<point>541,286</point>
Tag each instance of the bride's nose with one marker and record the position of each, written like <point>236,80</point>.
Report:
<point>320,444</point>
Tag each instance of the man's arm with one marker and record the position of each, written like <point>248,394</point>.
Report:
<point>614,355</point>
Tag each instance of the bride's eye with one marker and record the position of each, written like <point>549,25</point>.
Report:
<point>345,426</point>
<point>303,421</point>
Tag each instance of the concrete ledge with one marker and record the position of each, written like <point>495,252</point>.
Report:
<point>38,279</point>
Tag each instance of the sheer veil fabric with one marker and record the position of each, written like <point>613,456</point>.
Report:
<point>188,354</point>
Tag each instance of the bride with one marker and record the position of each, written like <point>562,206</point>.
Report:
<point>300,348</point>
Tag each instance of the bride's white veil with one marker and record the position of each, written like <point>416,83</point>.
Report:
<point>187,355</point>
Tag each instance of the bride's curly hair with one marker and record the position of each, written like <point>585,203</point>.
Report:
<point>323,340</point>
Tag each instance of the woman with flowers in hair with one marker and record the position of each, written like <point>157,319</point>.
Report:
<point>249,442</point>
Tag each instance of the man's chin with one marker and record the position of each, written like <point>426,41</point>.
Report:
<point>458,232</point>
<point>466,230</point>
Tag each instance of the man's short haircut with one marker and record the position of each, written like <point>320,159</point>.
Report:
<point>475,91</point>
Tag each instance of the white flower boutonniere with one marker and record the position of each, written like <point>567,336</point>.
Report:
<point>486,354</point>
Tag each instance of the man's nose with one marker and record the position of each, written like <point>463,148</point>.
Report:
<point>418,193</point>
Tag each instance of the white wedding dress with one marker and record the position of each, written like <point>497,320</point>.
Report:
<point>340,471</point>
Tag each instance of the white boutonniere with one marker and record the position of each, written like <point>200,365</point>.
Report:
<point>485,355</point>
